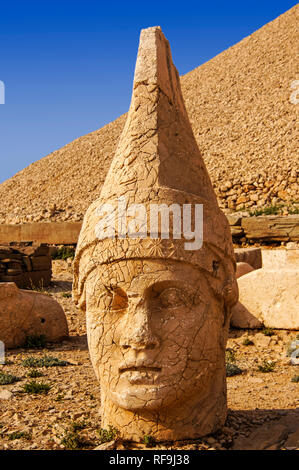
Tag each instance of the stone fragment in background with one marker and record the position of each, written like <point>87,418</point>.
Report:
<point>5,395</point>
<point>24,313</point>
<point>243,268</point>
<point>252,256</point>
<point>270,297</point>
<point>277,259</point>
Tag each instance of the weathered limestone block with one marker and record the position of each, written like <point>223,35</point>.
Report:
<point>157,313</point>
<point>55,233</point>
<point>243,318</point>
<point>236,231</point>
<point>277,259</point>
<point>243,268</point>
<point>234,220</point>
<point>34,250</point>
<point>41,263</point>
<point>272,228</point>
<point>269,297</point>
<point>252,256</point>
<point>26,266</point>
<point>25,313</point>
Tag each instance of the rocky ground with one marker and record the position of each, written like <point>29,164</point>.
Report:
<point>263,406</point>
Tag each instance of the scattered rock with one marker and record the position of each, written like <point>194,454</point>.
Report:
<point>264,438</point>
<point>5,395</point>
<point>25,265</point>
<point>106,446</point>
<point>234,219</point>
<point>293,440</point>
<point>262,341</point>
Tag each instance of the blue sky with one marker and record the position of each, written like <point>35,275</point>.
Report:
<point>68,65</point>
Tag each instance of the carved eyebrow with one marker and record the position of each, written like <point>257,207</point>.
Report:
<point>159,286</point>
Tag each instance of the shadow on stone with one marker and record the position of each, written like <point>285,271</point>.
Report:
<point>267,429</point>
<point>243,318</point>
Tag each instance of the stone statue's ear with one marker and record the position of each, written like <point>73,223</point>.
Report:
<point>230,295</point>
<point>231,292</point>
<point>227,316</point>
<point>227,313</point>
<point>82,300</point>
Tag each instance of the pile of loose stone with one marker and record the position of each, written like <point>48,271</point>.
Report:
<point>258,191</point>
<point>26,265</point>
<point>242,118</point>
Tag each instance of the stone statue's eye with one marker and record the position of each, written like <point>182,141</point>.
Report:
<point>173,297</point>
<point>117,298</point>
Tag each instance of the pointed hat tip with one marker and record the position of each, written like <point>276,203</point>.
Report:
<point>152,28</point>
<point>154,61</point>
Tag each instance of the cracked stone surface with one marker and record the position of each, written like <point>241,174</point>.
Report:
<point>256,400</point>
<point>158,314</point>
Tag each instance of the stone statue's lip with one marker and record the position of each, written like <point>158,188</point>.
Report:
<point>141,368</point>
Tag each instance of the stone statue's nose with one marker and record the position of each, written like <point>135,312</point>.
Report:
<point>138,333</point>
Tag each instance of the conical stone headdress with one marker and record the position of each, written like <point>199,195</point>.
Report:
<point>157,161</point>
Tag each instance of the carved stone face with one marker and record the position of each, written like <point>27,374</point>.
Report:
<point>155,332</point>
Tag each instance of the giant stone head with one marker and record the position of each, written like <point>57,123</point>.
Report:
<point>157,313</point>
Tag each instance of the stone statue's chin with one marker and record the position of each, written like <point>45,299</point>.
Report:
<point>140,398</point>
<point>156,396</point>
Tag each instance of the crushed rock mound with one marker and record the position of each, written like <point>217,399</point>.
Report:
<point>239,104</point>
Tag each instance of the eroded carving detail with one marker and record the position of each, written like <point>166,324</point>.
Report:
<point>158,315</point>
